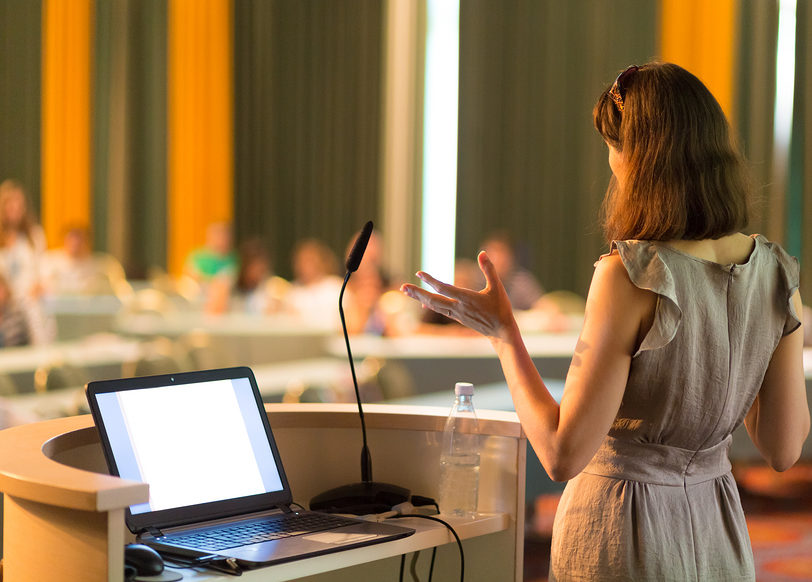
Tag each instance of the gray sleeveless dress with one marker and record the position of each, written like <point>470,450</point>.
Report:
<point>658,501</point>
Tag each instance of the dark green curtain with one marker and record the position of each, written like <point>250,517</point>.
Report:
<point>148,136</point>
<point>529,160</point>
<point>780,214</point>
<point>20,94</point>
<point>799,239</point>
<point>129,116</point>
<point>307,121</point>
<point>755,101</point>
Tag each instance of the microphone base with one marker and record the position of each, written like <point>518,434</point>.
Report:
<point>360,498</point>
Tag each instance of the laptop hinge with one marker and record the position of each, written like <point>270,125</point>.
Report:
<point>153,531</point>
<point>285,508</point>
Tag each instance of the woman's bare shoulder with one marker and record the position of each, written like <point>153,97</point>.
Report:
<point>731,249</point>
<point>612,279</point>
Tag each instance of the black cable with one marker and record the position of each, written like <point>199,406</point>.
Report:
<point>431,568</point>
<point>451,529</point>
<point>419,500</point>
<point>402,563</point>
<point>413,566</point>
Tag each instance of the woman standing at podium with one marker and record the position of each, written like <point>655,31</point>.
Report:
<point>691,328</point>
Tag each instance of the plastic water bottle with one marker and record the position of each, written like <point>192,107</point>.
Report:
<point>459,457</point>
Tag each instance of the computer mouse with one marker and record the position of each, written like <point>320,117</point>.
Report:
<point>144,559</point>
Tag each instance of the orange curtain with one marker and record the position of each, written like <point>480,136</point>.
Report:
<point>200,183</point>
<point>66,101</point>
<point>701,36</point>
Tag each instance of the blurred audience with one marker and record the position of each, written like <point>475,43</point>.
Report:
<point>74,269</point>
<point>22,245</point>
<point>468,275</point>
<point>250,293</point>
<point>313,294</point>
<point>14,327</point>
<point>216,257</point>
<point>522,287</point>
<point>362,303</point>
<point>22,241</point>
<point>257,289</point>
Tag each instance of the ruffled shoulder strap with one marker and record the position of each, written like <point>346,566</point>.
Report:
<point>648,271</point>
<point>790,274</point>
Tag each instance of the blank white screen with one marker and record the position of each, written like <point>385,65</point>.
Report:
<point>191,450</point>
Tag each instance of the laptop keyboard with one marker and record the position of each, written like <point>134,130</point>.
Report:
<point>252,532</point>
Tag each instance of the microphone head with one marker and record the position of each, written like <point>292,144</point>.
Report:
<point>357,252</point>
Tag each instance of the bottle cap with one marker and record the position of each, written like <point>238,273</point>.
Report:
<point>465,388</point>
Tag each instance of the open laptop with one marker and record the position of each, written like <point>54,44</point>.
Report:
<point>203,443</point>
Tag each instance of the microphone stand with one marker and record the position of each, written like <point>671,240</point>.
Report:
<point>368,496</point>
<point>366,458</point>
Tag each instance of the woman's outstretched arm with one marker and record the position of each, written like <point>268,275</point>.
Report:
<point>618,314</point>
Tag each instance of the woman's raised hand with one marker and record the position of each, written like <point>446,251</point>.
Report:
<point>488,311</point>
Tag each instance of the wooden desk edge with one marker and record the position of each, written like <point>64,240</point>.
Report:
<point>387,416</point>
<point>28,471</point>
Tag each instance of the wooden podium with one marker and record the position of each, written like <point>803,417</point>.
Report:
<point>64,516</point>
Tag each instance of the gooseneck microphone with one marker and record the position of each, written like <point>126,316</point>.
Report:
<point>357,253</point>
<point>353,262</point>
<point>367,496</point>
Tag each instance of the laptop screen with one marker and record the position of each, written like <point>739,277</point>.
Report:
<point>198,439</point>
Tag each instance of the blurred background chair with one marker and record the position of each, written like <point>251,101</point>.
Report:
<point>203,354</point>
<point>7,385</point>
<point>58,374</point>
<point>158,356</point>
<point>111,278</point>
<point>382,379</point>
<point>183,290</point>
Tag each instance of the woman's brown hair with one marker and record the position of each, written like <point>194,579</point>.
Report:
<point>685,178</point>
<point>10,188</point>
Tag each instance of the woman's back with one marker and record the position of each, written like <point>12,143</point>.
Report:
<point>732,249</point>
<point>669,509</point>
<point>701,365</point>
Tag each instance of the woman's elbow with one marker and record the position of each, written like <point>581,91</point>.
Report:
<point>562,467</point>
<point>784,457</point>
<point>564,458</point>
<point>561,475</point>
<point>783,461</point>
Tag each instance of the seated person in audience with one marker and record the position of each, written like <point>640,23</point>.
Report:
<point>15,329</point>
<point>522,287</point>
<point>256,289</point>
<point>362,307</point>
<point>313,294</point>
<point>250,293</point>
<point>216,257</point>
<point>22,241</point>
<point>22,244</point>
<point>74,269</point>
